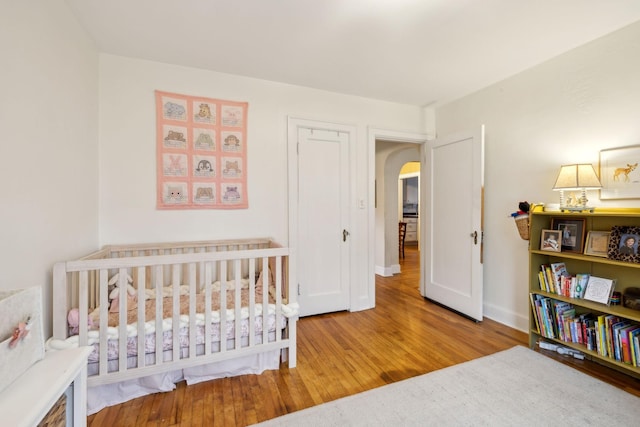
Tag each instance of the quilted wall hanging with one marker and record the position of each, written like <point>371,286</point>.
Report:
<point>201,152</point>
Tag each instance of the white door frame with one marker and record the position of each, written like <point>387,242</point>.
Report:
<point>393,136</point>
<point>293,124</point>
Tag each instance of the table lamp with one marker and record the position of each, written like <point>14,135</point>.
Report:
<point>576,177</point>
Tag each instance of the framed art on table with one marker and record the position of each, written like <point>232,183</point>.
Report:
<point>597,243</point>
<point>623,243</point>
<point>550,240</point>
<point>572,230</point>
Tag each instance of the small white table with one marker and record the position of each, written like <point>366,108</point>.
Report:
<point>30,397</point>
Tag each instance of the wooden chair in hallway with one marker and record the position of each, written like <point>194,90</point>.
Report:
<point>402,231</point>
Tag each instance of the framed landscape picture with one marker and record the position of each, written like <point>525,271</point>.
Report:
<point>572,238</point>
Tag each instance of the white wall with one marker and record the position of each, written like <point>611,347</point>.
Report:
<point>563,111</point>
<point>128,153</point>
<point>49,149</point>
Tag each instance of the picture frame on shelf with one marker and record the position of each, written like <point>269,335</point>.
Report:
<point>550,240</point>
<point>624,243</point>
<point>619,173</point>
<point>573,233</point>
<point>597,243</point>
<point>599,289</point>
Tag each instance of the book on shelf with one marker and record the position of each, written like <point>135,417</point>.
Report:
<point>590,333</point>
<point>558,271</point>
<point>634,338</point>
<point>616,335</point>
<point>543,314</point>
<point>626,343</point>
<point>547,317</point>
<point>534,298</point>
<point>601,340</point>
<point>549,277</point>
<point>563,312</point>
<point>609,321</point>
<point>587,321</point>
<point>581,284</point>
<point>542,281</point>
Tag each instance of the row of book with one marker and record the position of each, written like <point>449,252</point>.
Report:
<point>555,278</point>
<point>607,334</point>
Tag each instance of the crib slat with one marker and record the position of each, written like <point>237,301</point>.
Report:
<point>207,308</point>
<point>103,364</point>
<point>175,285</point>
<point>192,310</point>
<point>140,292</point>
<point>237,303</point>
<point>158,300</point>
<point>278,280</point>
<point>223,306</point>
<point>266,282</point>
<point>252,302</point>
<point>83,308</point>
<point>122,320</point>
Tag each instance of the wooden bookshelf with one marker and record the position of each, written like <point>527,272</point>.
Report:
<point>626,274</point>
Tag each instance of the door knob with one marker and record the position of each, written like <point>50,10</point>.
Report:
<point>345,233</point>
<point>475,237</point>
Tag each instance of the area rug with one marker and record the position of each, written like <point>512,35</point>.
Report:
<point>515,387</point>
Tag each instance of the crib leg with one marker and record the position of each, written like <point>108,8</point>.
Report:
<point>292,342</point>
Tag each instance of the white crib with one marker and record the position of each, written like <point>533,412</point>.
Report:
<point>200,310</point>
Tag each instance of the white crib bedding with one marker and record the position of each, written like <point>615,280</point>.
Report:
<point>167,354</point>
<point>93,335</point>
<point>183,338</point>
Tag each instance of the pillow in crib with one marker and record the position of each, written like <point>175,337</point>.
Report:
<point>132,304</point>
<point>259,282</point>
<point>272,286</point>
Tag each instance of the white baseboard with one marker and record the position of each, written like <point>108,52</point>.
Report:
<point>388,271</point>
<point>509,318</point>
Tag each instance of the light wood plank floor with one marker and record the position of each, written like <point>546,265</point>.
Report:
<point>340,354</point>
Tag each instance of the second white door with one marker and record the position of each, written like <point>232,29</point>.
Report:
<point>453,186</point>
<point>323,236</point>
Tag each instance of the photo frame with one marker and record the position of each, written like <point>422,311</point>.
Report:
<point>597,243</point>
<point>573,233</point>
<point>550,240</point>
<point>624,243</point>
<point>619,173</point>
<point>599,289</point>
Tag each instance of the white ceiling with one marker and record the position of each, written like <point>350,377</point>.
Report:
<point>416,52</point>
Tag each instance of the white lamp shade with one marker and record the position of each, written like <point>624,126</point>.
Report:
<point>577,177</point>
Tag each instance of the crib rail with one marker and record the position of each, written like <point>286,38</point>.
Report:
<point>199,269</point>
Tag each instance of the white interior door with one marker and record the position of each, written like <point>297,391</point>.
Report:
<point>322,216</point>
<point>452,180</point>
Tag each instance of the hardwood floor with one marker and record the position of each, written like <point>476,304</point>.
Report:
<point>340,354</point>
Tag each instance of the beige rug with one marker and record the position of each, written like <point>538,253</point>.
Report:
<point>515,387</point>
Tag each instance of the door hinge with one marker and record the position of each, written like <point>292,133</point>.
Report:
<point>298,289</point>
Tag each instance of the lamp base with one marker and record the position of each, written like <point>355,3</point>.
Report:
<point>576,209</point>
